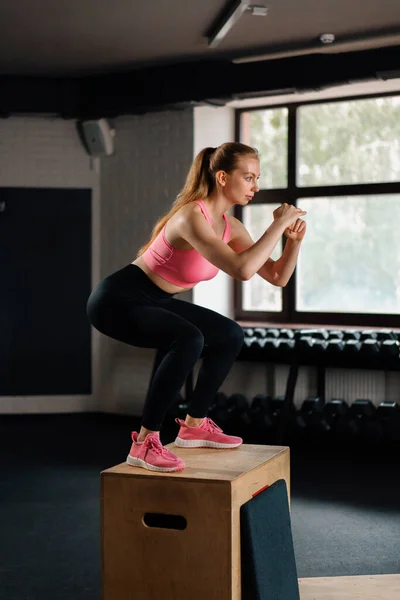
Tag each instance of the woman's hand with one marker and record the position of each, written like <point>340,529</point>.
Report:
<point>288,214</point>
<point>296,231</point>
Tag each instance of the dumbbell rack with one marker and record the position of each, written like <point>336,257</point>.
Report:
<point>320,348</point>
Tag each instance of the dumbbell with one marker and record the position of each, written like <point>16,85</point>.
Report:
<point>261,423</point>
<point>369,352</point>
<point>282,417</point>
<point>335,334</point>
<point>287,334</point>
<point>235,414</point>
<point>334,350</point>
<point>273,333</point>
<point>368,335</point>
<point>303,348</point>
<point>351,350</point>
<point>317,334</point>
<point>351,335</point>
<point>362,409</point>
<point>250,349</point>
<point>386,334</point>
<point>284,349</point>
<point>318,350</point>
<point>362,425</point>
<point>310,350</point>
<point>218,405</point>
<point>277,406</point>
<point>335,409</point>
<point>239,408</point>
<point>335,413</point>
<point>268,349</point>
<point>390,354</point>
<point>260,332</point>
<point>310,424</point>
<point>177,410</point>
<point>258,347</point>
<point>388,415</point>
<point>248,331</point>
<point>378,334</point>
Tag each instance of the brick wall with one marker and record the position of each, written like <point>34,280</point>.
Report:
<point>152,156</point>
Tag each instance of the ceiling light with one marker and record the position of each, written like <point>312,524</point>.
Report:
<point>226,21</point>
<point>258,11</point>
<point>327,38</point>
<point>230,17</point>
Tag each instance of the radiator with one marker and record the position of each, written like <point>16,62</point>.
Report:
<point>349,384</point>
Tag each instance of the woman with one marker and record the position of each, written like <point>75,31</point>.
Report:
<point>137,304</point>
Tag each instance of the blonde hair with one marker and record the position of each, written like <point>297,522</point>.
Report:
<point>200,180</point>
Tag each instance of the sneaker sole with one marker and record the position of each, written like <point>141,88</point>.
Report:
<point>203,444</point>
<point>138,462</point>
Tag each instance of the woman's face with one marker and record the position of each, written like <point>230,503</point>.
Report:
<point>242,183</point>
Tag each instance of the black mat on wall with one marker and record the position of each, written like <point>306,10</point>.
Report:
<point>45,280</point>
<point>267,555</point>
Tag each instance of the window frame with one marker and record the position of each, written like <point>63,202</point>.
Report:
<point>289,316</point>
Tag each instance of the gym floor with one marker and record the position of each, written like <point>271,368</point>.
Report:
<point>345,507</point>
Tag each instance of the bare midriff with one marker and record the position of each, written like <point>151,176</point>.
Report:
<point>170,288</point>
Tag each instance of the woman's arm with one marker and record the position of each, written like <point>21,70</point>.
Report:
<point>275,272</point>
<point>241,240</point>
<point>241,265</point>
<point>286,264</point>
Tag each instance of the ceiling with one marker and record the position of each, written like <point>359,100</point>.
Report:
<point>103,58</point>
<point>82,37</point>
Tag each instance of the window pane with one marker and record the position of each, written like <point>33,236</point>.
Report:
<point>350,142</point>
<point>267,130</point>
<point>257,293</point>
<point>350,257</point>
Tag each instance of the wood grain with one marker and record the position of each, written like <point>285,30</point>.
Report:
<point>362,587</point>
<point>209,463</point>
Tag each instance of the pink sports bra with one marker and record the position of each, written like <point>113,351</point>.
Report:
<point>183,268</point>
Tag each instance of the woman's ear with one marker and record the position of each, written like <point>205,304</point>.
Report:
<point>221,177</point>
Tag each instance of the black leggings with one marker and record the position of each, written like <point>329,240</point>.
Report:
<point>129,307</point>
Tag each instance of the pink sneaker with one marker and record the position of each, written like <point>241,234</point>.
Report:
<point>208,434</point>
<point>151,454</point>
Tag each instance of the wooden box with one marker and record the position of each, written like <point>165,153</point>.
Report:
<point>195,554</point>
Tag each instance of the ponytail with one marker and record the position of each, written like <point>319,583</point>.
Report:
<point>198,185</point>
<point>200,180</point>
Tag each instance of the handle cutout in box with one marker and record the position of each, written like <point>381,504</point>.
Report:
<point>163,521</point>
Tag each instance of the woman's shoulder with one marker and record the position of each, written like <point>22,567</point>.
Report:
<point>180,222</point>
<point>187,211</point>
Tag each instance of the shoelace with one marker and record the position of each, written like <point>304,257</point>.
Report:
<point>210,425</point>
<point>155,444</point>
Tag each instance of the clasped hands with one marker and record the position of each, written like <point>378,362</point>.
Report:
<point>296,228</point>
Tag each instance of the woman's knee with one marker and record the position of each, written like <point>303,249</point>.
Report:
<point>191,339</point>
<point>233,334</point>
<point>238,333</point>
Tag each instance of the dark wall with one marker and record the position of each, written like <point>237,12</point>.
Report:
<point>45,280</point>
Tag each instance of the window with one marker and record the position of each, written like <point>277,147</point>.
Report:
<point>349,142</point>
<point>257,295</point>
<point>272,139</point>
<point>340,161</point>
